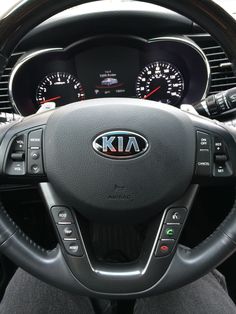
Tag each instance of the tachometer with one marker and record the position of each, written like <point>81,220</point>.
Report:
<point>160,81</point>
<point>61,88</point>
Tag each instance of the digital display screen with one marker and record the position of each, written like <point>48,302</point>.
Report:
<point>108,71</point>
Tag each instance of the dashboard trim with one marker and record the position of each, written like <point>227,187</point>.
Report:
<point>25,58</point>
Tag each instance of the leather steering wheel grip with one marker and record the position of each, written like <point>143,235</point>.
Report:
<point>43,264</point>
<point>187,265</point>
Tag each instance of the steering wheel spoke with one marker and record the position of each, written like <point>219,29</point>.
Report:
<point>158,249</point>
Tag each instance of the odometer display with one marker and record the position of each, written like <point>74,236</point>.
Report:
<point>59,87</point>
<point>160,81</point>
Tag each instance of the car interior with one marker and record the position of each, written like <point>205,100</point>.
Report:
<point>118,130</point>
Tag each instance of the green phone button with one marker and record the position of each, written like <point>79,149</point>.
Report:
<point>170,232</point>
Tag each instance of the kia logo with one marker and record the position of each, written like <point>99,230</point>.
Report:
<point>120,144</point>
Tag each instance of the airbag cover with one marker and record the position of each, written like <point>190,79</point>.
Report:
<point>98,186</point>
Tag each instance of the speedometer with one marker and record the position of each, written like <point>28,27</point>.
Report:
<point>61,88</point>
<point>160,81</point>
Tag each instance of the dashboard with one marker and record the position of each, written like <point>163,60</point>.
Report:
<point>172,70</point>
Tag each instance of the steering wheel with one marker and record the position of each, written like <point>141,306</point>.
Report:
<point>117,160</point>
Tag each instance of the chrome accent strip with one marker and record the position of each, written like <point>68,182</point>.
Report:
<point>204,105</point>
<point>117,274</point>
<point>24,59</point>
<point>226,100</point>
<point>226,65</point>
<point>189,42</point>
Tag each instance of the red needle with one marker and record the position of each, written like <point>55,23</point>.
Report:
<point>48,100</point>
<point>152,92</point>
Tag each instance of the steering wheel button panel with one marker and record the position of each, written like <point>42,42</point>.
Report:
<point>35,162</point>
<point>16,157</point>
<point>67,230</point>
<point>212,159</point>
<point>203,154</point>
<point>23,161</point>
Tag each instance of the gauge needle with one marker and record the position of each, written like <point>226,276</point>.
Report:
<point>152,92</point>
<point>50,99</point>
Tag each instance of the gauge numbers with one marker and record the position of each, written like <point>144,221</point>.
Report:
<point>160,81</point>
<point>61,88</point>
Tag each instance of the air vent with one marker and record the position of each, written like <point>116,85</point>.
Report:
<point>222,76</point>
<point>5,103</point>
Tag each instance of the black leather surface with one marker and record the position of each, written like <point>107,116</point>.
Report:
<point>7,225</point>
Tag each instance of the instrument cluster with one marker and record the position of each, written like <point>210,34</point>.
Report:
<point>170,70</point>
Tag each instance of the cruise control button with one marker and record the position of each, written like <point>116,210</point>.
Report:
<point>203,140</point>
<point>62,215</point>
<point>203,161</point>
<point>175,215</point>
<point>219,146</point>
<point>170,232</point>
<point>164,248</point>
<point>223,170</point>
